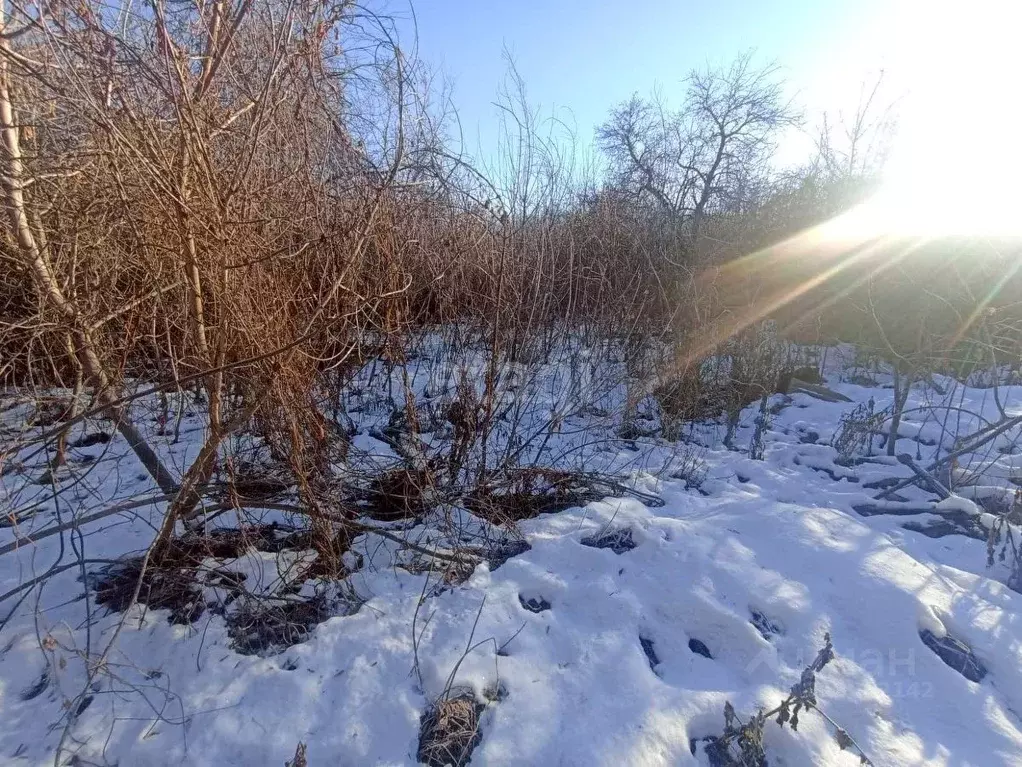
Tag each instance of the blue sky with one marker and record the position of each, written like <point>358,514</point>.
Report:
<point>952,63</point>
<point>580,58</point>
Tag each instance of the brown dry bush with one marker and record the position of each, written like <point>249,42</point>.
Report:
<point>217,224</point>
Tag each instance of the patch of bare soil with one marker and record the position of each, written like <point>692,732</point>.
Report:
<point>527,493</point>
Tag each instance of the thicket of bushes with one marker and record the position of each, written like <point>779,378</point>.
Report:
<point>207,185</point>
<point>252,199</point>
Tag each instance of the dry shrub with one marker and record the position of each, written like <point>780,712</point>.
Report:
<point>682,399</point>
<point>217,226</point>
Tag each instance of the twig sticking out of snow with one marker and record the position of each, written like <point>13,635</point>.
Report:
<point>300,760</point>
<point>741,745</point>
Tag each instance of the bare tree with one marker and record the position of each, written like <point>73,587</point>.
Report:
<point>735,114</point>
<point>857,145</point>
<point>706,155</point>
<point>650,153</point>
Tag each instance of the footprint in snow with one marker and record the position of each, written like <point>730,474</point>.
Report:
<point>534,604</point>
<point>618,541</point>
<point>651,656</point>
<point>764,625</point>
<point>953,652</point>
<point>699,648</point>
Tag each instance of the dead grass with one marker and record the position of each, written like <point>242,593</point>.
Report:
<point>261,627</point>
<point>223,543</point>
<point>449,731</point>
<point>527,492</point>
<point>176,583</point>
<point>399,494</point>
<point>619,541</point>
<point>163,588</point>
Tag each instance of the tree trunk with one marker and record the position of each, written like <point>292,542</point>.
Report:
<point>83,344</point>
<point>902,383</point>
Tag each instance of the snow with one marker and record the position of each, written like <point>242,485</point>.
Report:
<point>757,564</point>
<point>958,503</point>
<point>928,621</point>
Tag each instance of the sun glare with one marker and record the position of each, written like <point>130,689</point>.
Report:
<point>955,167</point>
<point>926,194</point>
<point>917,208</point>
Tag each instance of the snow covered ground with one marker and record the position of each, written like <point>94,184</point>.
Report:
<point>615,638</point>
